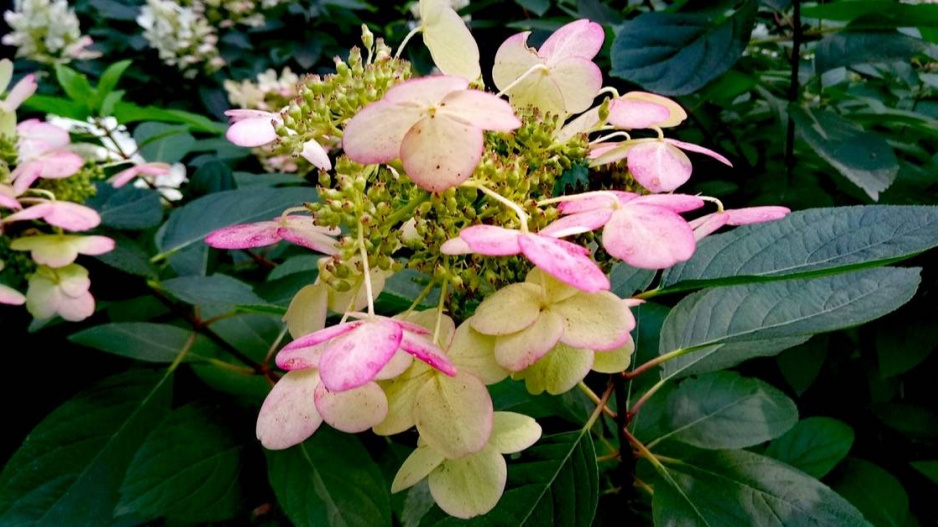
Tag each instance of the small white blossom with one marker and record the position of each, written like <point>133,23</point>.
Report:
<point>46,31</point>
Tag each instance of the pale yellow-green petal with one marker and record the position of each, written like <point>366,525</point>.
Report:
<point>418,465</point>
<point>514,432</point>
<point>554,290</point>
<point>596,321</point>
<point>614,361</point>
<point>474,353</point>
<point>427,319</point>
<point>559,371</point>
<point>519,350</point>
<point>508,310</point>
<point>454,414</point>
<point>308,310</point>
<point>450,42</point>
<point>470,486</point>
<point>402,393</point>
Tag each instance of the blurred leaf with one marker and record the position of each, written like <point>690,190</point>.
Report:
<point>401,289</point>
<point>163,142</point>
<point>329,481</point>
<point>127,113</point>
<point>75,85</point>
<point>928,468</point>
<point>115,10</point>
<point>128,207</point>
<point>877,493</point>
<point>735,487</point>
<point>216,290</point>
<point>538,7</point>
<point>802,364</point>
<point>187,469</point>
<point>108,81</point>
<point>57,106</point>
<point>713,318</point>
<point>808,243</point>
<point>70,468</point>
<point>847,49</point>
<point>885,13</point>
<point>914,421</point>
<point>814,446</point>
<point>129,257</point>
<point>296,264</point>
<point>906,340</point>
<point>145,341</point>
<point>212,177</point>
<point>251,334</point>
<point>865,158</point>
<point>679,53</point>
<point>280,292</point>
<point>599,12</point>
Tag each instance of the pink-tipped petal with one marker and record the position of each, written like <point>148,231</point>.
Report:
<point>77,308</point>
<point>241,114</point>
<point>577,223</point>
<point>352,411</point>
<point>427,352</point>
<point>252,132</point>
<point>94,245</point>
<point>302,358</point>
<point>375,134</point>
<point>491,241</point>
<point>62,164</point>
<point>417,328</point>
<point>245,236</point>
<point>648,237</point>
<point>323,335</point>
<point>707,225</point>
<point>756,215</point>
<point>672,202</point>
<point>125,176</point>
<point>356,359</point>
<point>8,198</point>
<point>316,154</point>
<point>64,214</point>
<point>658,166</point>
<point>480,110</point>
<point>20,92</point>
<point>454,247</point>
<point>580,38</point>
<point>565,261</point>
<point>520,350</point>
<point>289,416</point>
<point>690,147</point>
<point>302,231</point>
<point>25,175</point>
<point>439,153</point>
<point>589,201</point>
<point>42,137</point>
<point>10,296</point>
<point>425,90</point>
<point>632,114</point>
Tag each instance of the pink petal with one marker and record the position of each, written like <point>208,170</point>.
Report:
<point>480,110</point>
<point>707,225</point>
<point>10,296</point>
<point>565,261</point>
<point>64,214</point>
<point>60,165</point>
<point>316,154</point>
<point>355,359</point>
<point>125,176</point>
<point>453,247</point>
<point>577,223</point>
<point>252,132</point>
<point>580,38</point>
<point>375,134</point>
<point>491,241</point>
<point>352,411</point>
<point>416,328</point>
<point>631,114</point>
<point>427,91</point>
<point>240,115</point>
<point>289,416</point>
<point>25,175</point>
<point>322,335</point>
<point>77,308</point>
<point>428,352</point>
<point>302,231</point>
<point>246,236</point>
<point>8,198</point>
<point>588,201</point>
<point>672,202</point>
<point>20,92</point>
<point>648,237</point>
<point>302,358</point>
<point>658,166</point>
<point>47,135</point>
<point>519,350</point>
<point>756,215</point>
<point>439,153</point>
<point>94,245</point>
<point>699,149</point>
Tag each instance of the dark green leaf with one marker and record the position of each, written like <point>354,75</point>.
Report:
<point>724,410</point>
<point>280,292</point>
<point>251,334</point>
<point>187,469</point>
<point>69,470</point>
<point>735,487</point>
<point>219,290</point>
<point>554,483</point>
<point>145,341</point>
<point>193,222</point>
<point>847,49</point>
<point>809,243</point>
<point>928,468</point>
<point>802,364</point>
<point>115,10</point>
<point>907,339</point>
<point>916,422</point>
<point>211,177</point>
<point>679,53</point>
<point>401,289</point>
<point>129,257</point>
<point>574,178</point>
<point>167,143</point>
<point>329,481</point>
<point>884,13</point>
<point>57,106</point>
<point>877,493</point>
<point>296,264</point>
<point>130,113</point>
<point>863,157</point>
<point>538,7</point>
<point>627,280</point>
<point>814,446</point>
<point>127,207</point>
<point>758,316</point>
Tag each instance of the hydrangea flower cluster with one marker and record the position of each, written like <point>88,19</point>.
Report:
<point>441,175</point>
<point>182,35</point>
<point>46,31</point>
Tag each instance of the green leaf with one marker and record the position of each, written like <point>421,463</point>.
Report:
<point>401,289</point>
<point>109,80</point>
<point>168,143</point>
<point>145,341</point>
<point>127,113</point>
<point>70,468</point>
<point>814,446</point>
<point>574,178</point>
<point>905,340</point>
<point>753,320</point>
<point>57,106</point>
<point>193,222</point>
<point>679,53</point>
<point>847,49</point>
<point>883,13</point>
<point>928,468</point>
<point>627,280</point>
<point>808,243</point>
<point>863,157</point>
<point>914,421</point>
<point>296,264</point>
<point>129,257</point>
<point>127,207</point>
<point>329,481</point>
<point>802,364</point>
<point>877,493</point>
<point>211,177</point>
<point>538,7</point>
<point>75,85</point>
<point>736,487</point>
<point>725,410</point>
<point>218,290</point>
<point>251,334</point>
<point>555,482</point>
<point>187,469</point>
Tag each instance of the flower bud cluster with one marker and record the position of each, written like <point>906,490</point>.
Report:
<point>46,31</point>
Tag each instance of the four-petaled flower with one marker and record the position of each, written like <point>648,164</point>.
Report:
<point>43,154</point>
<point>294,228</point>
<point>59,250</point>
<point>659,165</point>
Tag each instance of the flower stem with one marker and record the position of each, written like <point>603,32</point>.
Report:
<point>365,269</point>
<point>660,359</point>
<point>439,312</point>
<point>599,407</point>
<point>595,398</point>
<point>610,90</point>
<point>532,69</point>
<point>409,36</point>
<point>611,136</point>
<point>522,216</point>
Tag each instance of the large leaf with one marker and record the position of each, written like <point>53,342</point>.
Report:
<point>881,13</point>
<point>70,468</point>
<point>329,481</point>
<point>814,446</point>
<point>627,280</point>
<point>877,493</point>
<point>127,207</point>
<point>554,483</point>
<point>216,290</point>
<point>847,49</point>
<point>145,341</point>
<point>751,318</point>
<point>906,339</point>
<point>735,487</point>
<point>187,469</point>
<point>725,410</point>
<point>193,222</point>
<point>679,53</point>
<point>864,158</point>
<point>809,243</point>
<point>163,142</point>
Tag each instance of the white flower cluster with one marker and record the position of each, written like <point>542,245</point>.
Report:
<point>46,31</point>
<point>271,92</point>
<point>182,35</point>
<point>231,12</point>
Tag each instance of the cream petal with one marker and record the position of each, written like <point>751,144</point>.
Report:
<point>402,393</point>
<point>454,414</point>
<point>474,353</point>
<point>615,361</point>
<point>559,371</point>
<point>354,410</point>
<point>598,321</point>
<point>439,153</point>
<point>512,432</point>
<point>470,486</point>
<point>418,465</point>
<point>519,350</point>
<point>451,45</point>
<point>508,310</point>
<point>289,416</point>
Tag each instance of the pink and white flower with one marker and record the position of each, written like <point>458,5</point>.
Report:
<point>42,149</point>
<point>294,228</point>
<point>659,165</point>
<point>67,215</point>
<point>63,292</point>
<point>253,128</point>
<point>148,169</point>
<point>706,225</point>
<point>434,125</point>
<point>59,250</point>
